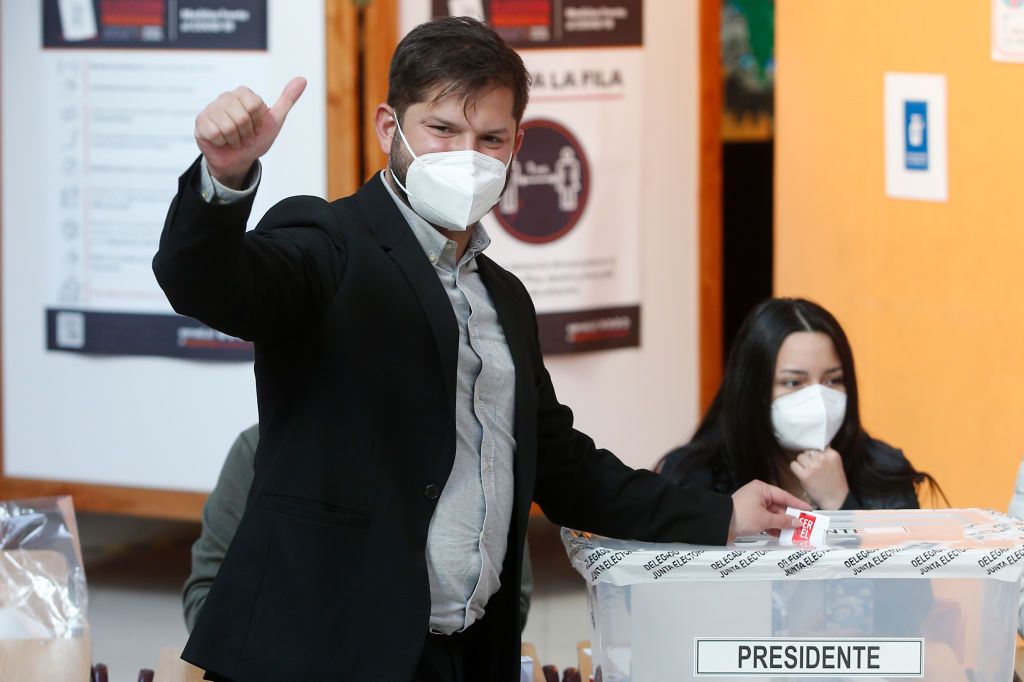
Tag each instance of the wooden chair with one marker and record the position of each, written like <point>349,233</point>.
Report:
<point>528,649</point>
<point>45,659</point>
<point>170,668</point>
<point>585,660</point>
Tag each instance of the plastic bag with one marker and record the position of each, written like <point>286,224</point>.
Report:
<point>42,578</point>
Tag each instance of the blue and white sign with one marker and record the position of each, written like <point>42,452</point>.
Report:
<point>915,136</point>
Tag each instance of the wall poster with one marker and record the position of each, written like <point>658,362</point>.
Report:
<point>569,223</point>
<point>120,83</point>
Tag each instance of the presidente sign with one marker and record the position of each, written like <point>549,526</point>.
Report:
<point>822,658</point>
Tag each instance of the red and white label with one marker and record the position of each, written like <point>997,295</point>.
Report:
<point>811,531</point>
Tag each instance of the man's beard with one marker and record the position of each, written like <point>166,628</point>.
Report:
<point>399,161</point>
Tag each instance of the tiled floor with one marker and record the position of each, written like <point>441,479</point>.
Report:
<point>135,568</point>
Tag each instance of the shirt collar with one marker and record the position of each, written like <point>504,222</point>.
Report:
<point>439,249</point>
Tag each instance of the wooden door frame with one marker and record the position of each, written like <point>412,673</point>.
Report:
<point>709,268</point>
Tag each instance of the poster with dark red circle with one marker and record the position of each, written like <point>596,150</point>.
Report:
<point>569,223</point>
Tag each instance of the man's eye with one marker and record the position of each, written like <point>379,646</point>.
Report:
<point>442,129</point>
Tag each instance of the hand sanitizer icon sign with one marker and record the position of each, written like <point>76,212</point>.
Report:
<point>915,137</point>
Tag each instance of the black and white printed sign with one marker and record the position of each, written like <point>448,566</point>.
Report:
<point>820,658</point>
<point>571,220</point>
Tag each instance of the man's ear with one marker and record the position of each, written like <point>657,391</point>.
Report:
<point>520,133</point>
<point>385,124</point>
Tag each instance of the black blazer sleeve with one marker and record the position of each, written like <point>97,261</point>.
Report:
<point>587,488</point>
<point>253,285</point>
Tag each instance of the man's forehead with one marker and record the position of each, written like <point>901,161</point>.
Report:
<point>492,101</point>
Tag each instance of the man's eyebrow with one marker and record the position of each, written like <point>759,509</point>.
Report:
<point>434,118</point>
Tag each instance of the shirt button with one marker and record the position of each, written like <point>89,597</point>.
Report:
<point>432,258</point>
<point>432,492</point>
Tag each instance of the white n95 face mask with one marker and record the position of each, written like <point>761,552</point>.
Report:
<point>452,189</point>
<point>808,419</point>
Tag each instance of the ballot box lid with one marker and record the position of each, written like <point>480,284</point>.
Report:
<point>918,543</point>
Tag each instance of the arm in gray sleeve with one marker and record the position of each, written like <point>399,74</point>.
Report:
<point>221,515</point>
<point>217,193</point>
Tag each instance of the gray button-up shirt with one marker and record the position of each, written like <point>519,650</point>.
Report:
<point>468,535</point>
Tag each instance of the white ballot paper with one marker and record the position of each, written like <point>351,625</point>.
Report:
<point>811,532</point>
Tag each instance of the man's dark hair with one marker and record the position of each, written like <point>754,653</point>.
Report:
<point>461,56</point>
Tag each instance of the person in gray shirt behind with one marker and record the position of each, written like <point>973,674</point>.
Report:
<point>223,512</point>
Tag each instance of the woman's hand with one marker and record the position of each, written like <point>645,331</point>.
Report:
<point>822,476</point>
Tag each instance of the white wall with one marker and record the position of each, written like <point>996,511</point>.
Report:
<point>642,402</point>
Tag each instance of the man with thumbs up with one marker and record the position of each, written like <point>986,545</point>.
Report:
<point>237,128</point>
<point>406,417</point>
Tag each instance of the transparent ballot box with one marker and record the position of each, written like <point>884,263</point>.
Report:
<point>926,594</point>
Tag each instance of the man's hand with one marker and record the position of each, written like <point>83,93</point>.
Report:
<point>238,127</point>
<point>822,476</point>
<point>758,506</point>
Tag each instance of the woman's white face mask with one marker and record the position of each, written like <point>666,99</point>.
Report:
<point>808,419</point>
<point>455,189</point>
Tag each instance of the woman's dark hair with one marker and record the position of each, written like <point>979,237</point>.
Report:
<point>735,440</point>
<point>462,56</point>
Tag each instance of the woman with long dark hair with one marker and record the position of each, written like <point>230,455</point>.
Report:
<point>787,413</point>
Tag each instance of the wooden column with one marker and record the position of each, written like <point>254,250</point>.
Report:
<point>380,36</point>
<point>344,118</point>
<point>710,193</point>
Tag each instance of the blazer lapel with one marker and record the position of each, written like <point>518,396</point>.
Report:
<point>393,233</point>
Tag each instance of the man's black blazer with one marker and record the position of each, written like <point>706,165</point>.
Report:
<point>356,350</point>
